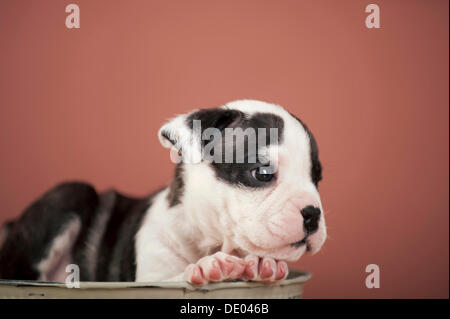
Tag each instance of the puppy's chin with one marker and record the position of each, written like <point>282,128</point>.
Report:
<point>288,253</point>
<point>292,253</point>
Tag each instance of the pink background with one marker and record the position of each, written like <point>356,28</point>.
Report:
<point>86,104</point>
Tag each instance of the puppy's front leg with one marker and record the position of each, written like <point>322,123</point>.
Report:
<point>224,267</point>
<point>213,268</point>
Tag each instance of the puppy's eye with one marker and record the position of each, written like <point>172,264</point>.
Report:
<point>263,174</point>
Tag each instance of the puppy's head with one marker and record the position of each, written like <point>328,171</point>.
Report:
<point>247,175</point>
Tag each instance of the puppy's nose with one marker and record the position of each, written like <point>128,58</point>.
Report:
<point>311,216</point>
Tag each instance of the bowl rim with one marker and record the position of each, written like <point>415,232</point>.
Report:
<point>294,277</point>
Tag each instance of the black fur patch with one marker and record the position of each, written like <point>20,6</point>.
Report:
<point>216,117</point>
<point>238,173</point>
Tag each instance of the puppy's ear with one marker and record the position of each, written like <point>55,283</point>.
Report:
<point>183,133</point>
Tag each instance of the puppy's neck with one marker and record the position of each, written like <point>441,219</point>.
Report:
<point>190,207</point>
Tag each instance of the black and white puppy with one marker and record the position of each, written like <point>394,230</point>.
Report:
<point>217,220</point>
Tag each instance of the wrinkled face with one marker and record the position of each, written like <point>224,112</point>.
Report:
<point>263,198</point>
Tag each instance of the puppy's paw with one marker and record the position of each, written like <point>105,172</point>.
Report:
<point>215,268</point>
<point>264,269</point>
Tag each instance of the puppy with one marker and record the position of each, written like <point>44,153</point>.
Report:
<point>243,202</point>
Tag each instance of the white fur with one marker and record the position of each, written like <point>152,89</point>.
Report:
<point>215,216</point>
<point>53,267</point>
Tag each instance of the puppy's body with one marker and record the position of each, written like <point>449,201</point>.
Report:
<point>72,224</point>
<point>214,222</point>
